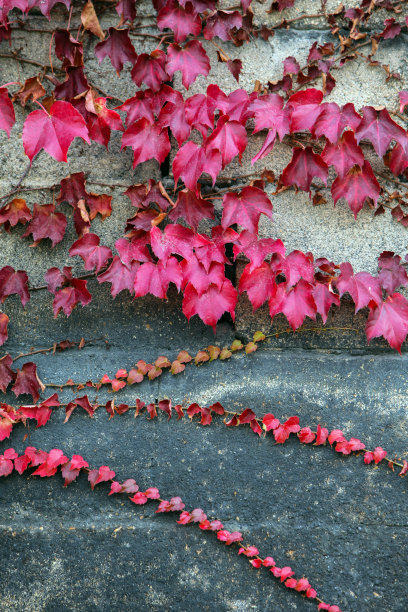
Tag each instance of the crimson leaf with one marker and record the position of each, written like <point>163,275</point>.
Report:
<point>14,282</point>
<point>380,129</point>
<point>229,138</point>
<point>53,131</point>
<point>6,373</point>
<point>259,283</point>
<point>3,327</point>
<point>27,381</point>
<point>245,208</point>
<point>118,47</point>
<point>7,116</point>
<point>121,276</point>
<point>296,304</point>
<point>191,60</point>
<point>182,21</point>
<point>212,304</point>
<point>93,255</point>
<point>303,167</point>
<point>148,141</point>
<point>192,208</point>
<point>15,212</point>
<point>220,24</point>
<point>356,186</point>
<point>390,320</point>
<point>150,69</point>
<point>46,223</point>
<point>363,288</point>
<point>344,154</point>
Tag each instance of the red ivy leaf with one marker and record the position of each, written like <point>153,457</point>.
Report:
<point>155,278</point>
<point>6,427</point>
<point>181,21</point>
<point>7,116</point>
<point>196,274</point>
<point>149,69</point>
<point>67,48</point>
<point>192,208</point>
<point>68,297</point>
<point>76,84</point>
<point>306,435</point>
<point>321,435</point>
<point>99,204</point>
<point>46,5</point>
<point>135,250</point>
<point>256,250</point>
<point>229,138</point>
<point>332,120</point>
<point>290,66</point>
<point>344,154</point>
<point>296,304</point>
<point>391,30</point>
<point>27,381</point>
<point>121,276</point>
<point>403,97</point>
<point>173,115</point>
<point>199,113</point>
<point>14,282</point>
<point>72,189</point>
<point>270,422</point>
<point>148,141</point>
<point>3,327</point>
<point>304,109</point>
<point>270,114</point>
<point>6,466</point>
<point>380,129</point>
<point>225,536</point>
<point>245,208</point>
<point>296,266</point>
<point>247,416</point>
<point>235,67</point>
<point>6,373</point>
<point>15,212</point>
<point>103,474</point>
<point>221,23</point>
<point>363,288</point>
<point>392,273</point>
<point>46,223</point>
<point>84,403</point>
<point>303,167</point>
<point>53,131</point>
<point>356,186</point>
<point>324,299</point>
<point>126,9</point>
<point>191,60</point>
<point>390,320</point>
<point>259,283</point>
<point>189,163</point>
<point>102,120</point>
<point>212,304</point>
<point>93,255</point>
<point>118,47</point>
<point>73,290</point>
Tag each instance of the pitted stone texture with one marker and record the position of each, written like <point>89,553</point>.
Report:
<point>303,505</point>
<point>264,16</point>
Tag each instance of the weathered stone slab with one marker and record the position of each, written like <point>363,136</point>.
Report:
<point>310,509</point>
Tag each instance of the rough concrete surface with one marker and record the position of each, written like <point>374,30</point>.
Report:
<point>340,523</point>
<point>334,520</point>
